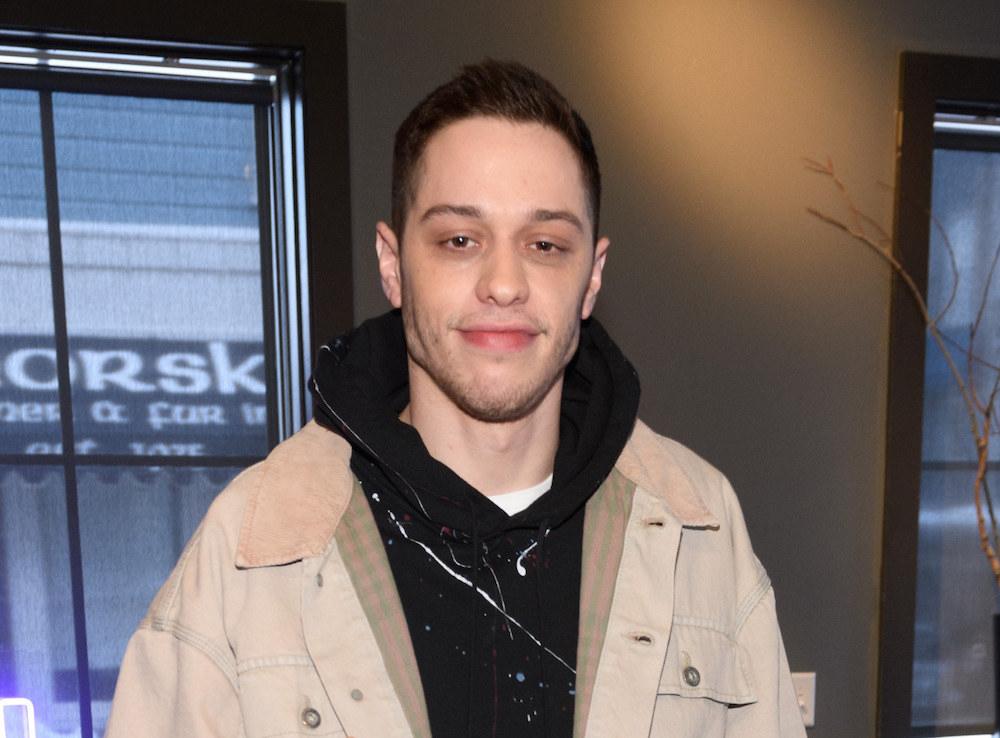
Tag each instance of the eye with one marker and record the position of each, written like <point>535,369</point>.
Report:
<point>544,246</point>
<point>459,242</point>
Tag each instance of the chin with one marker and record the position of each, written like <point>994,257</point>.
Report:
<point>504,407</point>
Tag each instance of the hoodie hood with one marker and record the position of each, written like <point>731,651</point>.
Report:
<point>361,385</point>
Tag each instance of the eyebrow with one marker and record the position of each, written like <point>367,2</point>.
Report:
<point>471,211</point>
<point>465,211</point>
<point>566,216</point>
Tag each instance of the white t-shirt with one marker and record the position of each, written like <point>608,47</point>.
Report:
<point>514,502</point>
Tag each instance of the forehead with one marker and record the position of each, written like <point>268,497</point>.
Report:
<point>500,165</point>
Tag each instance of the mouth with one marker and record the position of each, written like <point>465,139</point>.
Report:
<point>504,339</point>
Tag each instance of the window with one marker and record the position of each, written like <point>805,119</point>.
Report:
<point>160,303</point>
<point>939,596</point>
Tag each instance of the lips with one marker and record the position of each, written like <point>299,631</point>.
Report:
<point>505,339</point>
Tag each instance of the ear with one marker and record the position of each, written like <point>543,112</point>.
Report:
<point>594,285</point>
<point>387,249</point>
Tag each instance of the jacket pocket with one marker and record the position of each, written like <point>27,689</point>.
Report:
<point>283,696</point>
<point>705,673</point>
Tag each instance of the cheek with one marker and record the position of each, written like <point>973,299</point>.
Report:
<point>414,288</point>
<point>426,304</point>
<point>567,313</point>
<point>579,298</point>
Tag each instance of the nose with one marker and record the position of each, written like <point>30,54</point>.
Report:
<point>502,279</point>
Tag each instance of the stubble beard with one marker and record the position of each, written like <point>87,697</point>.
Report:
<point>473,395</point>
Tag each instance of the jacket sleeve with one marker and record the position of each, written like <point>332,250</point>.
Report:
<point>179,676</point>
<point>168,687</point>
<point>776,712</point>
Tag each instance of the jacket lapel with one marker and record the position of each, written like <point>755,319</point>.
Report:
<point>603,538</point>
<point>364,556</point>
<point>631,540</point>
<point>343,645</point>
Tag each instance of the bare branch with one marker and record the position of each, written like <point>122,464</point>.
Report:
<point>979,410</point>
<point>954,267</point>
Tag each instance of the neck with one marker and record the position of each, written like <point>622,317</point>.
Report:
<point>492,457</point>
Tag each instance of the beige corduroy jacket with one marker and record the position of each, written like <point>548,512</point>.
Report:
<point>281,618</point>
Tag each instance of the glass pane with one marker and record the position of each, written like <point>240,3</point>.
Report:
<point>161,249</point>
<point>953,648</point>
<point>128,554</point>
<point>966,205</point>
<point>29,397</point>
<point>956,593</point>
<point>37,643</point>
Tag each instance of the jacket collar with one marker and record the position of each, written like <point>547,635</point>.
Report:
<point>298,496</point>
<point>300,492</point>
<point>667,470</point>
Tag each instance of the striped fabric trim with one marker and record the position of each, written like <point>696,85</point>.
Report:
<point>364,556</point>
<point>607,516</point>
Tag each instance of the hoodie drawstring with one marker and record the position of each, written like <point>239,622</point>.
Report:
<point>542,534</point>
<point>473,650</point>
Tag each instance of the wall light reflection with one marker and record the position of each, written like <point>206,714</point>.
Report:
<point>17,718</point>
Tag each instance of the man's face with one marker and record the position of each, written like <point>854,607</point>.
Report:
<point>498,267</point>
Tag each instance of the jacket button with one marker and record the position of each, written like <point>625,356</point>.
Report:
<point>692,677</point>
<point>310,718</point>
<point>319,580</point>
<point>357,695</point>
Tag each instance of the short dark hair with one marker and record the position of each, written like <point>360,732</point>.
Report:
<point>492,89</point>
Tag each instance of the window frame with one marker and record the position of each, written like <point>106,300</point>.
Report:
<point>312,36</point>
<point>927,81</point>
<point>310,271</point>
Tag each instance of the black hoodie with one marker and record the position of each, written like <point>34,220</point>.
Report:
<point>491,600</point>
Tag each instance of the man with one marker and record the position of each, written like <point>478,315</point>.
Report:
<point>475,537</point>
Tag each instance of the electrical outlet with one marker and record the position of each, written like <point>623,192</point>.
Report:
<point>805,692</point>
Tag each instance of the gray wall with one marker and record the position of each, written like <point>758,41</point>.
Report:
<point>759,332</point>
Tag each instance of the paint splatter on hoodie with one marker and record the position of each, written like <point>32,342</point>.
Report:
<point>491,600</point>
